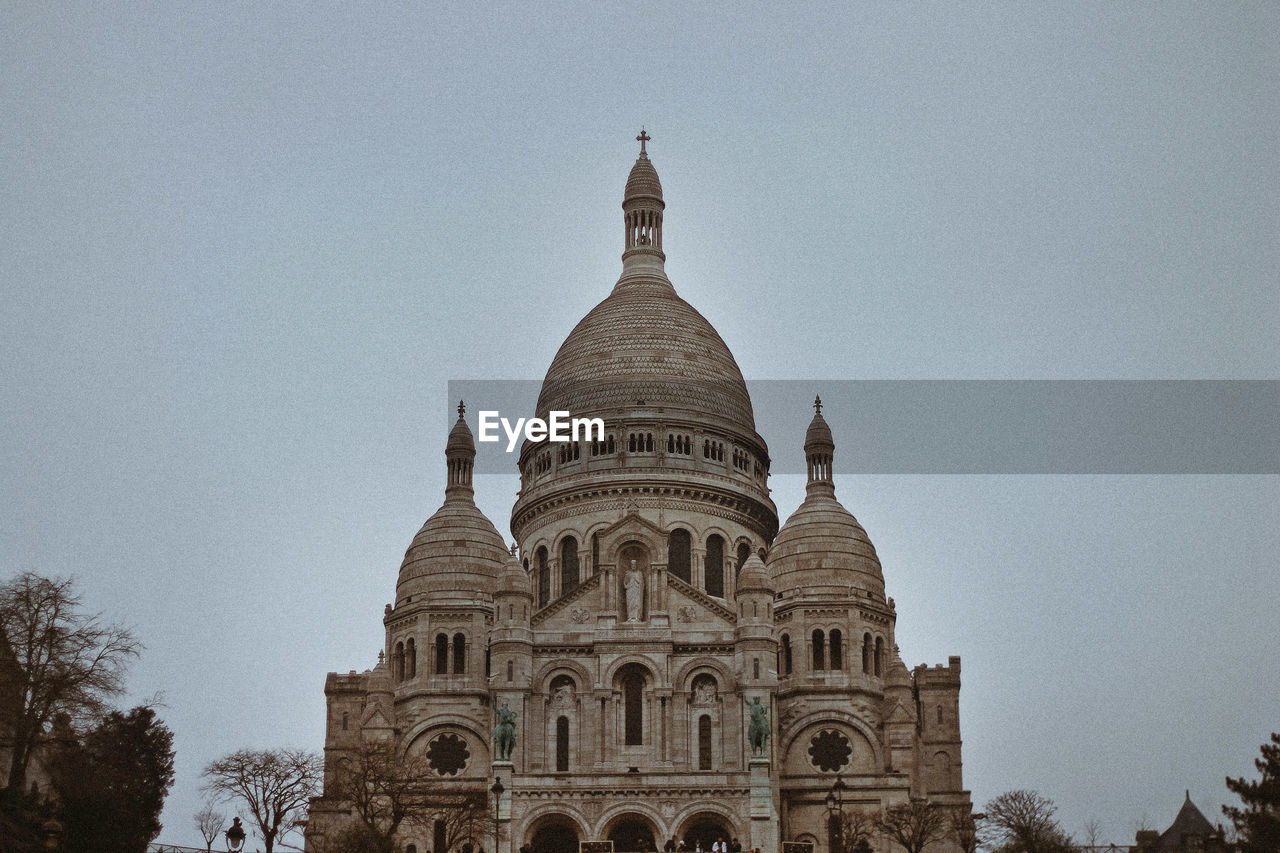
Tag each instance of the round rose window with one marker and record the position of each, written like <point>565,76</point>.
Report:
<point>829,750</point>
<point>447,755</point>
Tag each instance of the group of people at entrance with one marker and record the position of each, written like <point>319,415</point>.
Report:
<point>717,846</point>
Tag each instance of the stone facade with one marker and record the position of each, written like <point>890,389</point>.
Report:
<point>649,603</point>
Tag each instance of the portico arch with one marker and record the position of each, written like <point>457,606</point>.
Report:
<point>554,829</point>
<point>632,829</point>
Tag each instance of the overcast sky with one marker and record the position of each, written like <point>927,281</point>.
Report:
<point>244,247</point>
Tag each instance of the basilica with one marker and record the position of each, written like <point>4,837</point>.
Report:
<point>654,657</point>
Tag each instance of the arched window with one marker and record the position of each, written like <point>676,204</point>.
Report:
<point>439,836</point>
<point>744,554</point>
<point>704,742</point>
<point>412,848</point>
<point>755,667</point>
<point>459,654</point>
<point>678,547</point>
<point>837,650</point>
<point>397,663</point>
<point>715,566</point>
<point>544,577</point>
<point>879,655</point>
<point>488,662</point>
<point>633,708</point>
<point>410,659</point>
<point>346,720</point>
<point>442,654</point>
<point>786,654</point>
<point>595,553</point>
<point>866,653</point>
<point>511,671</point>
<point>568,564</point>
<point>939,715</point>
<point>562,744</point>
<point>819,651</point>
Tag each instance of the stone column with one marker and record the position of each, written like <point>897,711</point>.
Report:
<point>503,770</point>
<point>764,817</point>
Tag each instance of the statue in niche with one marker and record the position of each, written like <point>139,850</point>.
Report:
<point>704,692</point>
<point>562,695</point>
<point>758,730</point>
<point>504,731</point>
<point>633,589</point>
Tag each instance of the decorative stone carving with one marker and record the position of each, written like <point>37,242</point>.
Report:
<point>580,616</point>
<point>687,613</point>
<point>704,690</point>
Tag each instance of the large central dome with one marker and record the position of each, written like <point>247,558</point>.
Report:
<point>644,347</point>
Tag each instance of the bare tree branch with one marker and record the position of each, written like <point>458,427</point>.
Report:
<point>276,785</point>
<point>57,659</point>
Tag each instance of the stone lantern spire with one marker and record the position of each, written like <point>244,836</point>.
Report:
<point>460,456</point>
<point>642,208</point>
<point>819,450</point>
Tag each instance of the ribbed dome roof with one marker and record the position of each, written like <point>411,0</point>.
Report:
<point>643,181</point>
<point>823,545</point>
<point>458,551</point>
<point>754,576</point>
<point>645,347</point>
<point>514,579</point>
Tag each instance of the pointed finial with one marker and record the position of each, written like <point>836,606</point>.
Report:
<point>817,404</point>
<point>462,408</point>
<point>642,139</point>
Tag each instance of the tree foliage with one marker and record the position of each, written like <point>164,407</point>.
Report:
<point>112,785</point>
<point>913,825</point>
<point>1257,818</point>
<point>1023,822</point>
<point>275,785</point>
<point>55,659</point>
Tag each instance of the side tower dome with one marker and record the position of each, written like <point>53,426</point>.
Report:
<point>822,550</point>
<point>458,553</point>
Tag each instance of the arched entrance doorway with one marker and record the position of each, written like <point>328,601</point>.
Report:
<point>631,833</point>
<point>555,835</point>
<point>705,829</point>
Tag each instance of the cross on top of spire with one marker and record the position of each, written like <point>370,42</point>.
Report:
<point>642,139</point>
<point>817,404</point>
<point>462,408</point>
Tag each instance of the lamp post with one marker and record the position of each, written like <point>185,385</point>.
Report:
<point>235,836</point>
<point>835,813</point>
<point>496,790</point>
<point>52,832</point>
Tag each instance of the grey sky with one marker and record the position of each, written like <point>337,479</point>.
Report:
<point>244,247</point>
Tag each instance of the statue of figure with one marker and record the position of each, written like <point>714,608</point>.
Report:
<point>758,730</point>
<point>633,585</point>
<point>704,692</point>
<point>504,731</point>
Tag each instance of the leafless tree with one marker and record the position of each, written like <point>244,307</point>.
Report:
<point>1023,822</point>
<point>965,827</point>
<point>857,829</point>
<point>275,784</point>
<point>385,789</point>
<point>209,821</point>
<point>1092,833</point>
<point>466,818</point>
<point>914,824</point>
<point>57,660</point>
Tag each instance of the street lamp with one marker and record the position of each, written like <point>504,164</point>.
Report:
<point>835,813</point>
<point>52,832</point>
<point>235,836</point>
<point>496,790</point>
